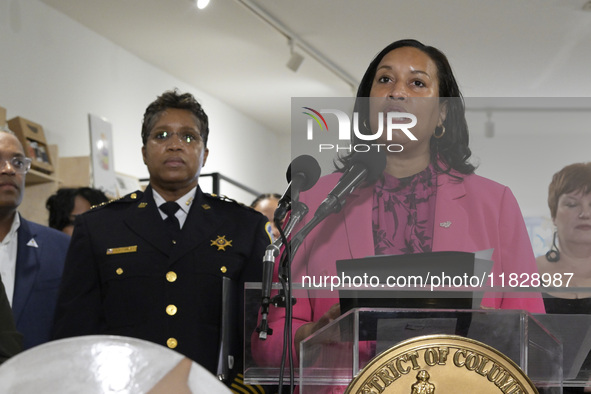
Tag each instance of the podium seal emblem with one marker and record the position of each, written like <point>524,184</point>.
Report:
<point>441,364</point>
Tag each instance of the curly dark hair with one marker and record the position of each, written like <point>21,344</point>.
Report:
<point>452,149</point>
<point>61,204</point>
<point>174,99</point>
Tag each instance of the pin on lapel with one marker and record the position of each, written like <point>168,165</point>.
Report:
<point>445,224</point>
<point>142,204</point>
<point>32,243</point>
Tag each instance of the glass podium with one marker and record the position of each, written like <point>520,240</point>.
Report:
<point>552,349</point>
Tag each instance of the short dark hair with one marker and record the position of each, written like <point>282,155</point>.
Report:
<point>174,99</point>
<point>264,196</point>
<point>451,149</point>
<point>61,204</point>
<point>572,178</point>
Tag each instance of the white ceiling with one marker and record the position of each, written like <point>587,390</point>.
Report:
<point>498,48</point>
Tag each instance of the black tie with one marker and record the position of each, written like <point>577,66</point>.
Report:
<point>170,208</point>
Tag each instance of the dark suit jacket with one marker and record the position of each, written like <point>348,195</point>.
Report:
<point>124,276</point>
<point>40,258</point>
<point>10,339</point>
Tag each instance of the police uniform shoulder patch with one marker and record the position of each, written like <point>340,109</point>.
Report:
<point>269,231</point>
<point>131,197</point>
<point>228,200</point>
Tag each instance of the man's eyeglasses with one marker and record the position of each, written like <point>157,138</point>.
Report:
<point>20,165</point>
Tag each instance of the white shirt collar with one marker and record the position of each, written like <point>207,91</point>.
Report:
<point>8,249</point>
<point>16,223</point>
<point>184,202</point>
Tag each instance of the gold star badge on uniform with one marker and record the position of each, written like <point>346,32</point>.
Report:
<point>221,242</point>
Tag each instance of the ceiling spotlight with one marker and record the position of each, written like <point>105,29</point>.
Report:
<point>201,4</point>
<point>295,59</point>
<point>489,126</point>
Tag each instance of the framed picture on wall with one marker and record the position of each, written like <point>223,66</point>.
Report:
<point>101,155</point>
<point>127,184</point>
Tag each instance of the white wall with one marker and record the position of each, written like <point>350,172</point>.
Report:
<point>528,147</point>
<point>55,72</point>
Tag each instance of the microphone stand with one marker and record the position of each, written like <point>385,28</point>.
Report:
<point>284,271</point>
<point>299,210</point>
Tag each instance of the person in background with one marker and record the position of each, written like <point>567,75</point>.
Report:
<point>10,339</point>
<point>267,204</point>
<point>155,265</point>
<point>427,198</point>
<point>67,203</point>
<point>31,255</point>
<point>568,262</point>
<point>569,200</point>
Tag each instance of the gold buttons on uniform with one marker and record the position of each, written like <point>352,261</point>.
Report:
<point>171,276</point>
<point>223,269</point>
<point>171,310</point>
<point>174,242</point>
<point>172,343</point>
<point>119,271</point>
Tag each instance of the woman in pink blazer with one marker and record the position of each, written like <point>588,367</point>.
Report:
<point>427,199</point>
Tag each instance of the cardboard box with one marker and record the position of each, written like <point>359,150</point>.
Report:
<point>2,117</point>
<point>32,137</point>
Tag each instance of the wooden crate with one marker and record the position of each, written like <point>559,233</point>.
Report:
<point>32,137</point>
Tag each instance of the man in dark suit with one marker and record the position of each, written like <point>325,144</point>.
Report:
<point>31,256</point>
<point>136,268</point>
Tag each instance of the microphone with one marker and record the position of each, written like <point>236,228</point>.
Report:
<point>364,166</point>
<point>306,172</point>
<point>302,174</point>
<point>299,211</point>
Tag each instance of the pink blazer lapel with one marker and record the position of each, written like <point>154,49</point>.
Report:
<point>451,218</point>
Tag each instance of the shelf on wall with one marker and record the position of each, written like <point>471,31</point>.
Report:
<point>35,177</point>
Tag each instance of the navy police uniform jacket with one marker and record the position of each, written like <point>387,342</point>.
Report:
<point>125,274</point>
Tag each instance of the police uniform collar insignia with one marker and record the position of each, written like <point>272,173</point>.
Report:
<point>142,205</point>
<point>189,201</point>
<point>221,242</point>
<point>205,206</point>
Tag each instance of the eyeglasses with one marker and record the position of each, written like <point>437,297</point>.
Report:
<point>20,165</point>
<point>187,137</point>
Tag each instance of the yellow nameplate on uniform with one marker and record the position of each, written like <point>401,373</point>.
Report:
<point>125,249</point>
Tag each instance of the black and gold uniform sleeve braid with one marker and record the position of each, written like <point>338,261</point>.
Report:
<point>238,387</point>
